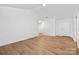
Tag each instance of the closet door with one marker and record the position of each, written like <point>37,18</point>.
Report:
<point>64,28</point>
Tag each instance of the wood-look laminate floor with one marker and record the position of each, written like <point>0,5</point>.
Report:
<point>41,45</point>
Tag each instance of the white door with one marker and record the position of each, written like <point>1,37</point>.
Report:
<point>63,29</point>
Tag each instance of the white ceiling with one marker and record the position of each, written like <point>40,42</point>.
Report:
<point>23,6</point>
<point>59,11</point>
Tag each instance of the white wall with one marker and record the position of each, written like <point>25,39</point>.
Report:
<point>78,30</point>
<point>17,24</point>
<point>48,26</point>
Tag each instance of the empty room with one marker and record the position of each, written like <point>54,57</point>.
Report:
<point>36,29</point>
